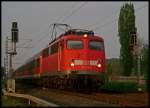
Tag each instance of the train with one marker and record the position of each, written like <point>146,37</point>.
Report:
<point>75,59</point>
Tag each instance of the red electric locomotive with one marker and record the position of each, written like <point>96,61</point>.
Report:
<point>75,59</point>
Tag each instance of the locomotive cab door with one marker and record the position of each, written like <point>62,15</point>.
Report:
<point>60,48</point>
<point>40,65</point>
<point>59,56</point>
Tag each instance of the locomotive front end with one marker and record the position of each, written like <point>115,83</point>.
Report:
<point>85,56</point>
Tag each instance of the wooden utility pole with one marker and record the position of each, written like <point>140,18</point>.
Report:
<point>6,58</point>
<point>136,51</point>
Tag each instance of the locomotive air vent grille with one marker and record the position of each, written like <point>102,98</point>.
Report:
<point>93,62</point>
<point>78,62</point>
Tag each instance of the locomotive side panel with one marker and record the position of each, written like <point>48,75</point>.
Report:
<point>53,62</point>
<point>50,64</point>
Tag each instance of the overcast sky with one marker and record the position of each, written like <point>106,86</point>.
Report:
<point>34,19</point>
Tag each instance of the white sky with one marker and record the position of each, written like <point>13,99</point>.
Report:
<point>34,19</point>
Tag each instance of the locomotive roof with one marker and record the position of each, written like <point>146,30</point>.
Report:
<point>75,32</point>
<point>79,32</point>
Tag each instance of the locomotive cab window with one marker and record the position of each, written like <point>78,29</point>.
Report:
<point>45,52</point>
<point>62,45</point>
<point>54,48</point>
<point>96,45</point>
<point>74,44</point>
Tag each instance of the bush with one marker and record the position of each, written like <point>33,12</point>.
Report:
<point>8,101</point>
<point>119,87</point>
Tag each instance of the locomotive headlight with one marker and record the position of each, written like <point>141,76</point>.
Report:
<point>85,35</point>
<point>99,65</point>
<point>72,64</point>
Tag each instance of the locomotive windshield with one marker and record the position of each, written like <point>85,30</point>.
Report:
<point>74,44</point>
<point>96,45</point>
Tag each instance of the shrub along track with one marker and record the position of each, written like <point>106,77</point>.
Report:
<point>80,98</point>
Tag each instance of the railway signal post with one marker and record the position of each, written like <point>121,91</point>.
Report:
<point>13,41</point>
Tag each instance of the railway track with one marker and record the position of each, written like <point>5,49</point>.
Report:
<point>127,99</point>
<point>71,97</point>
<point>64,98</point>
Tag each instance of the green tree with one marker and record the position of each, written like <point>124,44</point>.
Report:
<point>109,68</point>
<point>126,24</point>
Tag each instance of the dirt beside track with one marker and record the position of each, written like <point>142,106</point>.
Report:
<point>125,99</point>
<point>66,98</point>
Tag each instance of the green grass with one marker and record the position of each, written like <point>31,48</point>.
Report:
<point>120,87</point>
<point>8,101</point>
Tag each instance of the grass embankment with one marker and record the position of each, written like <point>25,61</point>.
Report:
<point>123,87</point>
<point>8,101</point>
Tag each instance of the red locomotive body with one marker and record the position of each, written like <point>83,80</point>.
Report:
<point>73,54</point>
